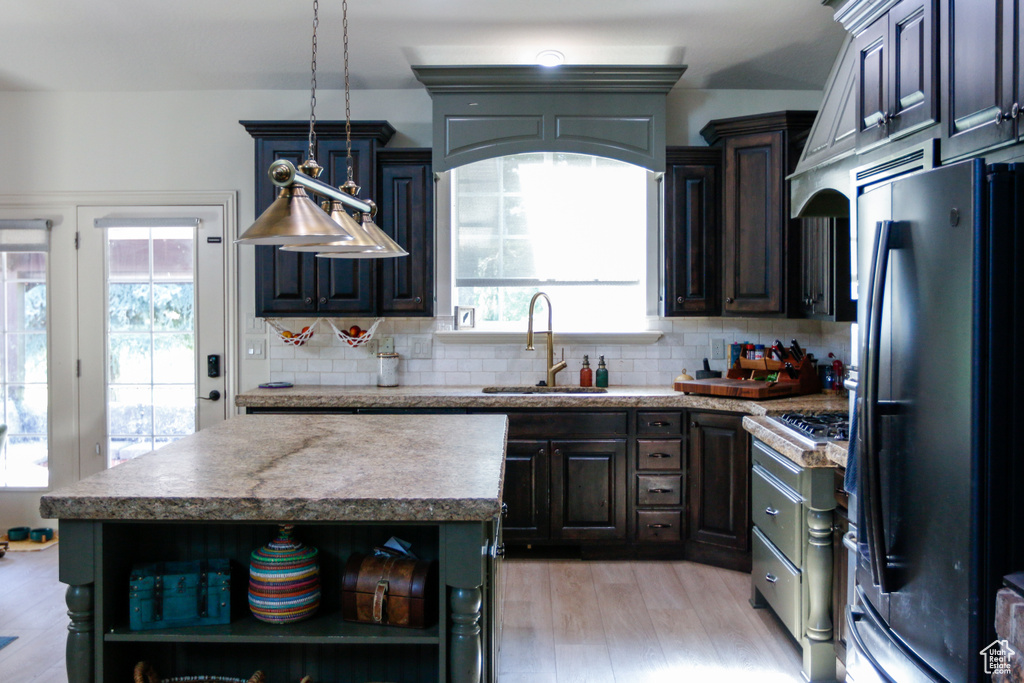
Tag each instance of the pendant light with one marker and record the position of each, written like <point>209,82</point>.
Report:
<point>369,240</point>
<point>293,218</point>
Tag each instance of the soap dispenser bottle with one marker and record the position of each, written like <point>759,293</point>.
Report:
<point>602,373</point>
<point>586,374</point>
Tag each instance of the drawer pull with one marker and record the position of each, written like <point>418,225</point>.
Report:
<point>770,578</point>
<point>659,455</point>
<point>659,490</point>
<point>659,526</point>
<point>771,511</point>
<point>659,423</point>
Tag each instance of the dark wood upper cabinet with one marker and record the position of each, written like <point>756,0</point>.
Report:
<point>896,70</point>
<point>825,292</point>
<point>981,77</point>
<point>692,231</point>
<point>760,243</point>
<point>719,481</point>
<point>405,191</point>
<point>299,284</point>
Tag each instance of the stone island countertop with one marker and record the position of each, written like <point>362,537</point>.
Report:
<point>306,468</point>
<point>320,397</point>
<point>823,455</point>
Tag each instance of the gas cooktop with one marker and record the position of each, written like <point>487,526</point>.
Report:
<point>817,428</point>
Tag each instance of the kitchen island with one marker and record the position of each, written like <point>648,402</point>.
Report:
<point>348,483</point>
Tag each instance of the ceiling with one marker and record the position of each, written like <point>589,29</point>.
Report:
<point>139,45</point>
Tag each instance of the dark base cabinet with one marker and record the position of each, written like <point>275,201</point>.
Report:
<point>719,489</point>
<point>620,483</point>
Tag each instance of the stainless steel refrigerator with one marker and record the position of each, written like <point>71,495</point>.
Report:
<point>940,424</point>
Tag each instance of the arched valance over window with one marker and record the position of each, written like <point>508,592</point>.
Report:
<point>481,112</point>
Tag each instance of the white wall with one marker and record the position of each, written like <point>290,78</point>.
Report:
<point>71,142</point>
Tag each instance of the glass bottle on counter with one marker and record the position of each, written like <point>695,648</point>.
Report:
<point>602,373</point>
<point>586,374</point>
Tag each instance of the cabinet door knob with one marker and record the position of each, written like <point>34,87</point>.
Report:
<point>770,578</point>
<point>558,452</point>
<point>308,300</point>
<point>1010,115</point>
<point>679,299</point>
<point>693,425</point>
<point>418,299</point>
<point>771,511</point>
<point>504,509</point>
<point>728,299</point>
<point>323,299</point>
<point>540,451</point>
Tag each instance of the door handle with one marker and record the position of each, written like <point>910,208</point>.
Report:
<point>659,526</point>
<point>771,511</point>
<point>214,396</point>
<point>659,423</point>
<point>658,455</point>
<point>659,490</point>
<point>770,578</point>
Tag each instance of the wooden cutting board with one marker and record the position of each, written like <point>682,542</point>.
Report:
<point>738,388</point>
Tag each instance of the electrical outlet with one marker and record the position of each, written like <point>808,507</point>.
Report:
<point>421,346</point>
<point>717,349</point>
<point>387,345</point>
<point>254,349</point>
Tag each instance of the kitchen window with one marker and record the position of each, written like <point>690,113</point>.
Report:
<point>575,226</point>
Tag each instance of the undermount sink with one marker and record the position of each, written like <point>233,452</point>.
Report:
<point>529,389</point>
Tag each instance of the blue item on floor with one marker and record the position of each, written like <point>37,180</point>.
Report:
<point>7,640</point>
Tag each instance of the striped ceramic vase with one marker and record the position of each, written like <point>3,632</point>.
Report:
<point>284,580</point>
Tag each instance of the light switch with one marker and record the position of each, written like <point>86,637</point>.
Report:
<point>254,349</point>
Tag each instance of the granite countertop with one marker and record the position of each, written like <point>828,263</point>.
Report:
<point>314,396</point>
<point>306,468</point>
<point>802,453</point>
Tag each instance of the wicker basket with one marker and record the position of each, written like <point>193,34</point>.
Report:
<point>145,673</point>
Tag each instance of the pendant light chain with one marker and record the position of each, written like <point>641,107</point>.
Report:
<point>312,82</point>
<point>348,111</point>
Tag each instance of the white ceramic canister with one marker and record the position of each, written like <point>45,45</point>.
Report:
<point>387,369</point>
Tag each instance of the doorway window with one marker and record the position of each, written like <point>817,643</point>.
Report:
<point>151,339</point>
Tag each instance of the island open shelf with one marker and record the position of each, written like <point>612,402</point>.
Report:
<point>347,484</point>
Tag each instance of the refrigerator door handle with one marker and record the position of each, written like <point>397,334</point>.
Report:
<point>871,488</point>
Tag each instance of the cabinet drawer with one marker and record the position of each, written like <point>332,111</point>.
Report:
<point>776,511</point>
<point>652,525</point>
<point>781,467</point>
<point>661,454</point>
<point>655,489</point>
<point>555,425</point>
<point>778,581</point>
<point>659,423</point>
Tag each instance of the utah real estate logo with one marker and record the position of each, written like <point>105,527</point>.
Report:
<point>997,656</point>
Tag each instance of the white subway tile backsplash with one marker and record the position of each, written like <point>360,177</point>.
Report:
<point>325,359</point>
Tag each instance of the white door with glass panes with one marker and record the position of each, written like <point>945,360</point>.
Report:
<point>152,328</point>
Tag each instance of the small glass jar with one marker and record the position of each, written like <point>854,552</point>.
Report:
<point>387,369</point>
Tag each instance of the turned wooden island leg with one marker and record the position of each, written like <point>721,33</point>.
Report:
<point>76,568</point>
<point>79,647</point>
<point>818,646</point>
<point>465,546</point>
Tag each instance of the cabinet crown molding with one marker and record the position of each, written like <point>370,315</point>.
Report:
<point>715,130</point>
<point>857,15</point>
<point>530,78</point>
<point>381,131</point>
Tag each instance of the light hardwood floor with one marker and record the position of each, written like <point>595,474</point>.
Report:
<point>638,622</point>
<point>566,621</point>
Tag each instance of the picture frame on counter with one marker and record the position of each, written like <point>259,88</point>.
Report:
<point>465,317</point>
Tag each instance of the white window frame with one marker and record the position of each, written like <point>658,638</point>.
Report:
<point>445,274</point>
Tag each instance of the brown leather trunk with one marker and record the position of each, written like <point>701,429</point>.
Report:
<point>394,591</point>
